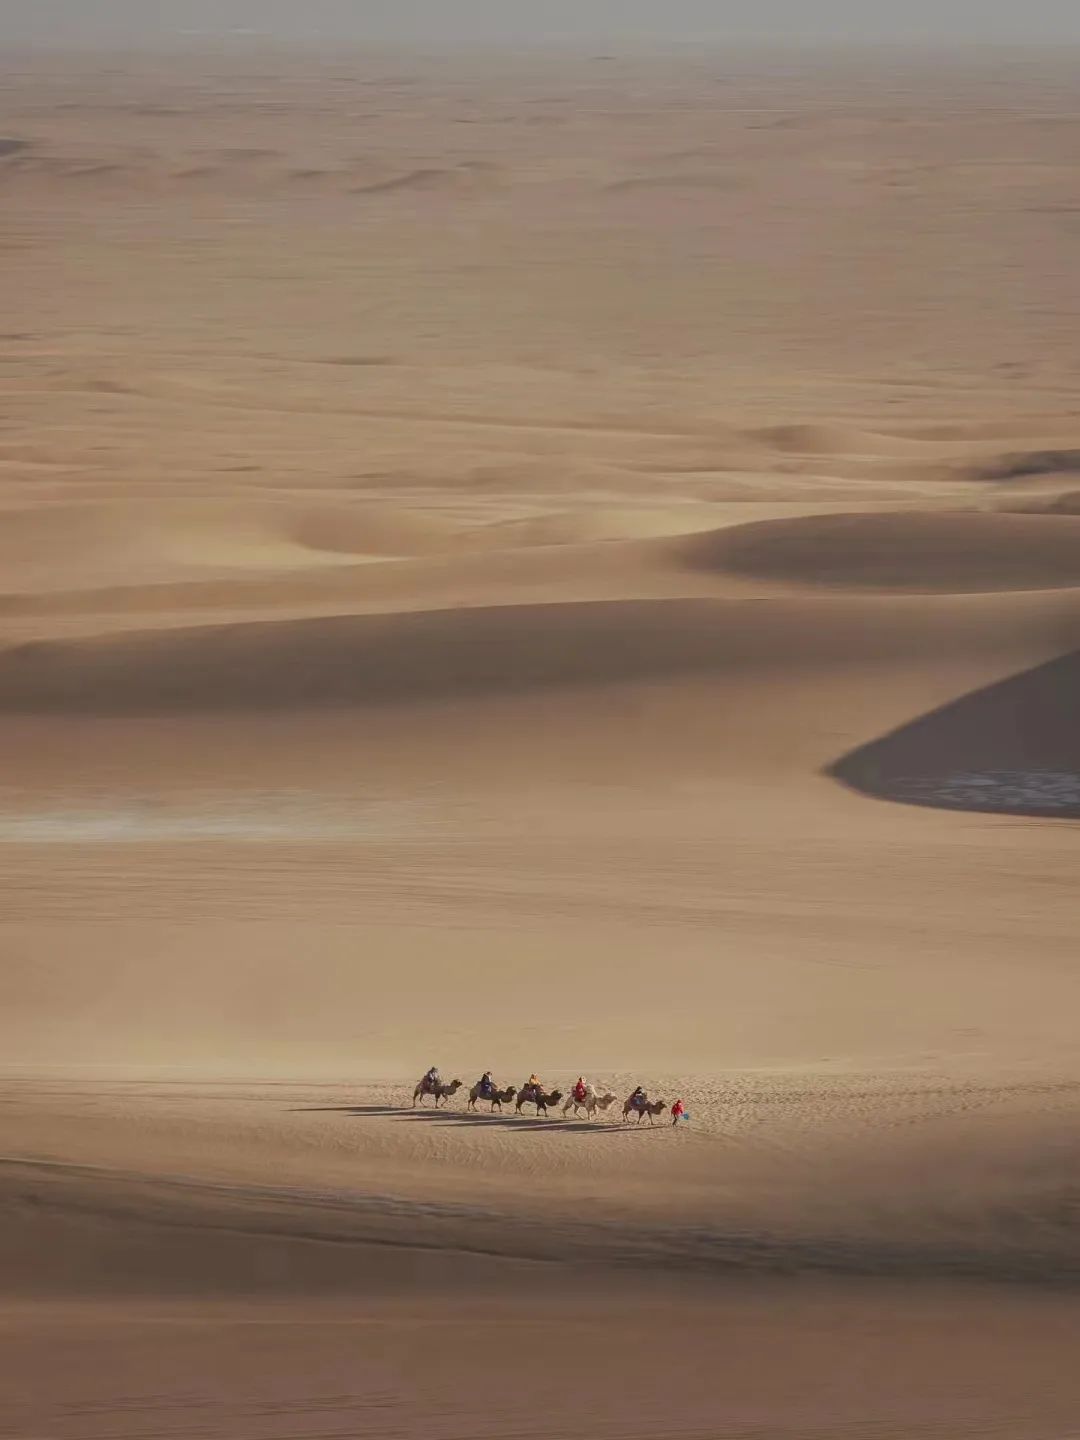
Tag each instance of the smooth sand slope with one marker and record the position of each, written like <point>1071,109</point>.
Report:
<point>540,565</point>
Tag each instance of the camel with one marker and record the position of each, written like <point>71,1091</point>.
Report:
<point>652,1108</point>
<point>532,1095</point>
<point>591,1104</point>
<point>498,1098</point>
<point>441,1092</point>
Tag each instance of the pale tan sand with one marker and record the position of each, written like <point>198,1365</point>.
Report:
<point>563,565</point>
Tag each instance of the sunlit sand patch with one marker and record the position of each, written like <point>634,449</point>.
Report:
<point>281,817</point>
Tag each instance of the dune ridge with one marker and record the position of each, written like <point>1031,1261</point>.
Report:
<point>949,553</point>
<point>431,655</point>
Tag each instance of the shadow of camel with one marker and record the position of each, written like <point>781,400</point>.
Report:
<point>514,1122</point>
<point>356,1109</point>
<point>1010,749</point>
<point>469,1117</point>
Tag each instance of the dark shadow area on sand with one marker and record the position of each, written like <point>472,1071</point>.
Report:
<point>1010,749</point>
<point>472,1117</point>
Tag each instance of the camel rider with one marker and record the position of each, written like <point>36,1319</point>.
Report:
<point>533,1086</point>
<point>639,1099</point>
<point>581,1089</point>
<point>431,1080</point>
<point>487,1085</point>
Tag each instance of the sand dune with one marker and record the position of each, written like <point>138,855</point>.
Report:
<point>833,440</point>
<point>1065,503</point>
<point>425,179</point>
<point>531,561</point>
<point>478,651</point>
<point>560,563</point>
<point>1010,748</point>
<point>35,164</point>
<point>582,526</point>
<point>299,561</point>
<point>62,546</point>
<point>931,1226</point>
<point>702,180</point>
<point>1044,465</point>
<point>422,656</point>
<point>952,553</point>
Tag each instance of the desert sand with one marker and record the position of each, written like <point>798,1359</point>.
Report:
<point>560,564</point>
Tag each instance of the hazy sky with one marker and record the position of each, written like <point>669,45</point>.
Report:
<point>498,21</point>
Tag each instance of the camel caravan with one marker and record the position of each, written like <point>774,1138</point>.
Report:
<point>583,1098</point>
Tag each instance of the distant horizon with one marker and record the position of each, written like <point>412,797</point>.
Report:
<point>207,43</point>
<point>454,25</point>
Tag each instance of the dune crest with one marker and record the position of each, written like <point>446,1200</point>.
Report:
<point>439,655</point>
<point>61,546</point>
<point>949,553</point>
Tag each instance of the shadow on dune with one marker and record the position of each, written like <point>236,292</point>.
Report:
<point>385,659</point>
<point>347,1109</point>
<point>512,1121</point>
<point>929,552</point>
<point>470,1117</point>
<point>1010,749</point>
<point>440,655</point>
